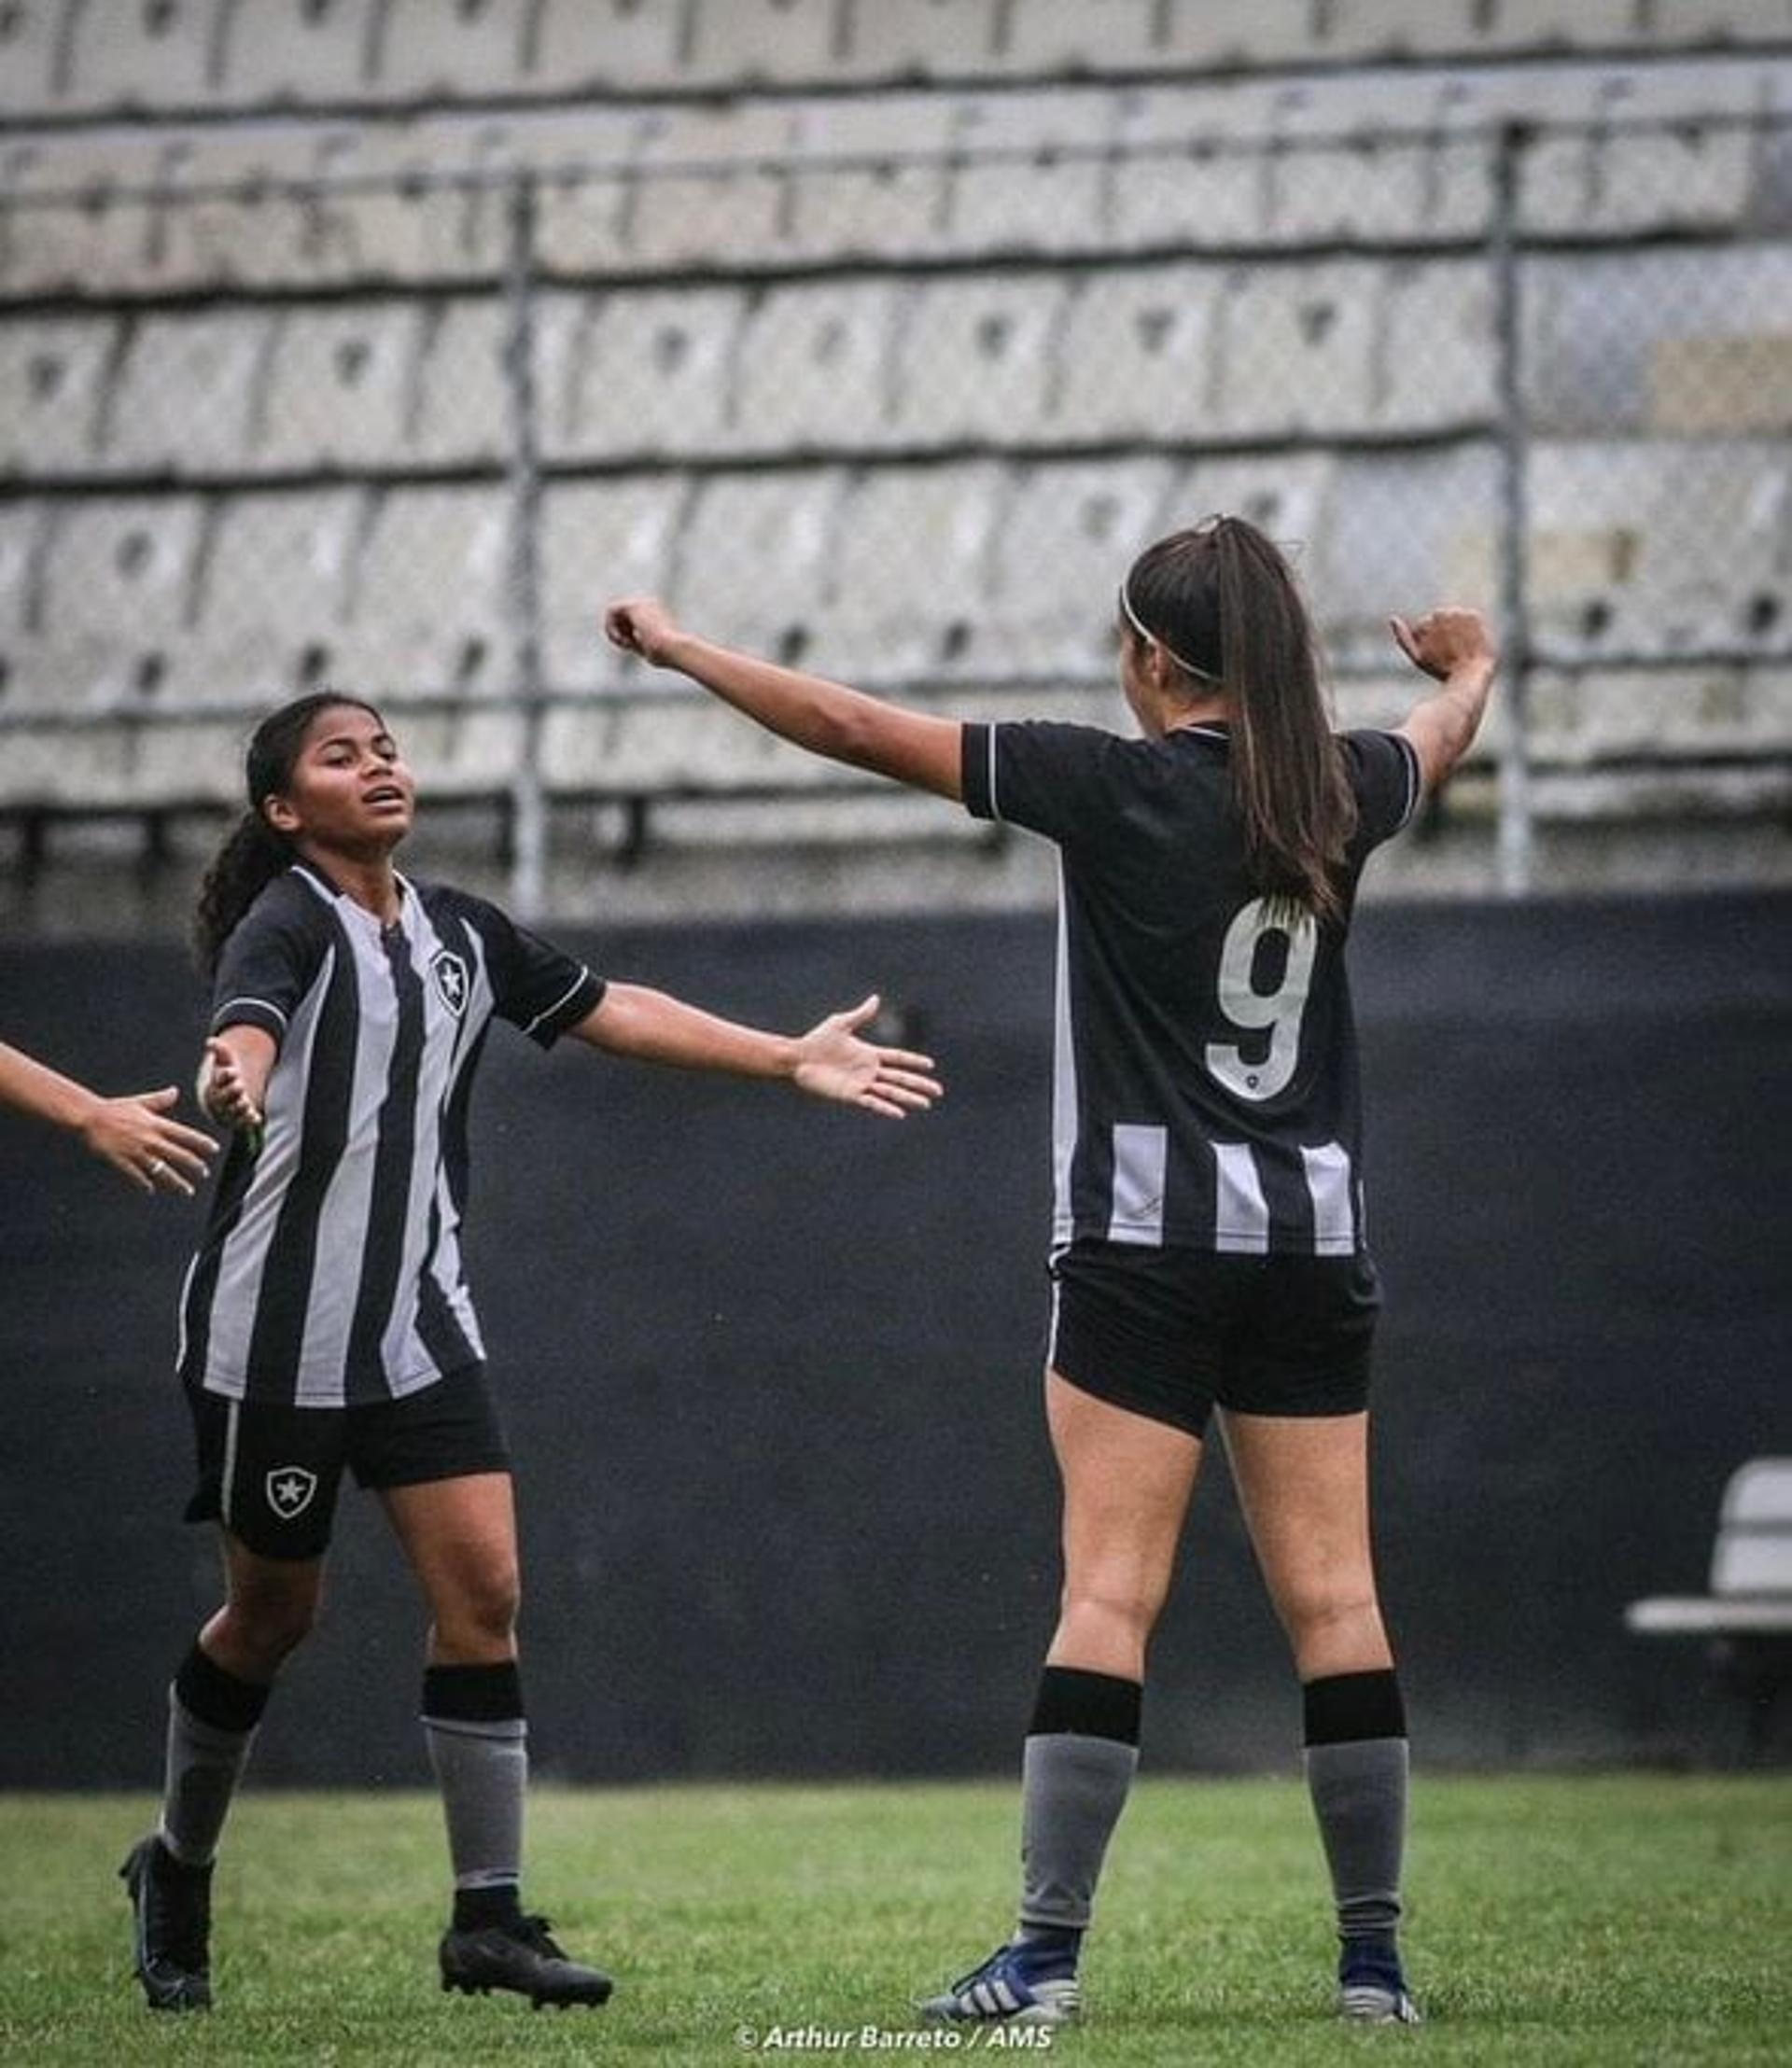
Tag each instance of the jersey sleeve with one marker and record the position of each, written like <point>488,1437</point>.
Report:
<point>535,986</point>
<point>1034,774</point>
<point>268,962</point>
<point>1384,776</point>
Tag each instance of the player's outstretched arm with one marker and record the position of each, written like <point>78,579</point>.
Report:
<point>830,1061</point>
<point>1455,647</point>
<point>233,1076</point>
<point>134,1133</point>
<point>827,717</point>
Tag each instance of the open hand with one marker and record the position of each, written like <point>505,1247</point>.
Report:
<point>136,1137</point>
<point>833,1063</point>
<point>222,1091</point>
<point>640,624</point>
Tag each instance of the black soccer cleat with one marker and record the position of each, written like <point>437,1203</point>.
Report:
<point>519,1956</point>
<point>172,1915</point>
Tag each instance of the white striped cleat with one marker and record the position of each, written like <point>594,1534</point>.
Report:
<point>1018,1985</point>
<point>1374,1993</point>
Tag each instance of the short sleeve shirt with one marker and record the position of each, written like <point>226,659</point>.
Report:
<point>1206,1088</point>
<point>330,1273</point>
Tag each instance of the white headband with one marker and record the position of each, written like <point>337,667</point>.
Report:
<point>1144,632</point>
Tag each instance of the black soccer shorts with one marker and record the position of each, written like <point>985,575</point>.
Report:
<point>1171,1334</point>
<point>269,1471</point>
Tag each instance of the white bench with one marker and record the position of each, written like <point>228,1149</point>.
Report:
<point>1747,1615</point>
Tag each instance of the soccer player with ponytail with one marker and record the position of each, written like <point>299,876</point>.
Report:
<point>327,1324</point>
<point>1207,1249</point>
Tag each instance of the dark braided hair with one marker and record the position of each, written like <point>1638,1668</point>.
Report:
<point>253,853</point>
<point>1222,602</point>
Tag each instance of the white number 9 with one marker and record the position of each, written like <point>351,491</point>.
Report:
<point>1253,1011</point>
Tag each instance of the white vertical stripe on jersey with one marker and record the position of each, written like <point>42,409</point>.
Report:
<point>1240,1213</point>
<point>236,1297</point>
<point>445,1268</point>
<point>408,1364</point>
<point>1330,1186</point>
<point>1064,1094</point>
<point>322,1377</point>
<point>226,1478</point>
<point>1140,1157</point>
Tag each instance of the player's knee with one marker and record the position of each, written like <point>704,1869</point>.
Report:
<point>485,1607</point>
<point>1329,1609</point>
<point>271,1621</point>
<point>1122,1601</point>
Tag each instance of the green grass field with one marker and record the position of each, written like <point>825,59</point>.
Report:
<point>1611,1919</point>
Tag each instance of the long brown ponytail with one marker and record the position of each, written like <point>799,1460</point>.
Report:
<point>253,854</point>
<point>1222,600</point>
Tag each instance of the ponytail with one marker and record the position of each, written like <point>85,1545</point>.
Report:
<point>1223,597</point>
<point>253,854</point>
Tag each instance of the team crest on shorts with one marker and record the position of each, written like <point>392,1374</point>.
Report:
<point>289,1491</point>
<point>450,974</point>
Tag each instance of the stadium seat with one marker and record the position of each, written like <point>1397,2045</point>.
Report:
<point>748,43</point>
<point>601,540</point>
<point>167,362</point>
<point>1136,354</point>
<point>755,556</point>
<point>463,408</point>
<point>342,386</point>
<point>1047,37</point>
<point>29,37</point>
<point>724,214</point>
<point>1184,195</point>
<point>55,378</point>
<point>277,585</point>
<point>1233,35</point>
<point>913,574</point>
<point>424,52</point>
<point>880,211</point>
<point>816,367</point>
<point>918,39</point>
<point>1086,521</point>
<point>1692,175</point>
<point>117,599</point>
<point>1294,346</point>
<point>280,53</point>
<point>425,613</point>
<point>139,60</point>
<point>976,359</point>
<point>610,45</point>
<point>1437,365</point>
<point>645,371</point>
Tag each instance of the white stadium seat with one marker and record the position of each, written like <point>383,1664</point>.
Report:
<point>425,613</point>
<point>282,53</point>
<point>755,556</point>
<point>607,44</point>
<point>640,370</point>
<point>424,52</point>
<point>1294,345</point>
<point>29,40</point>
<point>1136,354</point>
<point>816,367</point>
<point>277,585</point>
<point>55,374</point>
<point>1438,360</point>
<point>1083,36</point>
<point>904,39</point>
<point>342,386</point>
<point>916,566</point>
<point>463,408</point>
<point>600,540</point>
<point>135,60</point>
<point>975,358</point>
<point>119,598</point>
<point>186,392</point>
<point>1072,530</point>
<point>757,42</point>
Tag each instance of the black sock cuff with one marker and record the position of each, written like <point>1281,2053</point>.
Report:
<point>1091,1705</point>
<point>1346,1707</point>
<point>473,1694</point>
<point>206,1692</point>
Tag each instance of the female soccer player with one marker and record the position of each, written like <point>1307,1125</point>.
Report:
<point>326,1319</point>
<point>134,1134</point>
<point>1207,1247</point>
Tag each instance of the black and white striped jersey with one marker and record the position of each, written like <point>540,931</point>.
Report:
<point>330,1273</point>
<point>1205,1090</point>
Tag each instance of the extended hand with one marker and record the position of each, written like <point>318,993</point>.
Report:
<point>135,1136</point>
<point>1445,640</point>
<point>222,1091</point>
<point>833,1063</point>
<point>640,624</point>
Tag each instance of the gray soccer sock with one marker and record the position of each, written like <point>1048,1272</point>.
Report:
<point>1080,1757</point>
<point>212,1720</point>
<point>1357,1764</point>
<point>478,1748</point>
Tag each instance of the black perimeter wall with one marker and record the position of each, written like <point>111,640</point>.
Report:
<point>771,1373</point>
